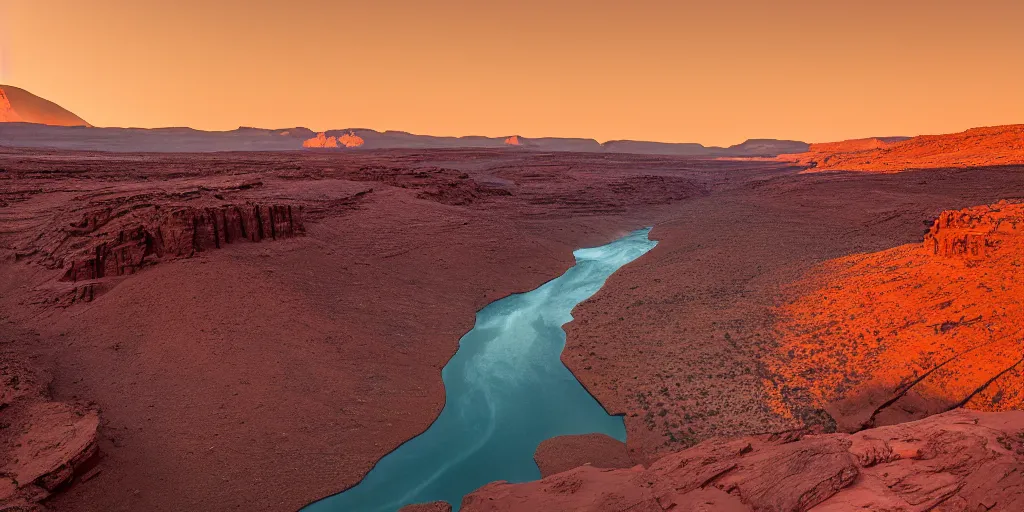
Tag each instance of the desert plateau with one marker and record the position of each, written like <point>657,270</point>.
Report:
<point>444,257</point>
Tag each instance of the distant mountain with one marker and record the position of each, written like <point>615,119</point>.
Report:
<point>258,139</point>
<point>156,140</point>
<point>750,148</point>
<point>20,106</point>
<point>763,147</point>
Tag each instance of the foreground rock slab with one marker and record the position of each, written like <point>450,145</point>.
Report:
<point>44,443</point>
<point>961,460</point>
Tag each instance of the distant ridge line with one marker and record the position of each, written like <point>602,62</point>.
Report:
<point>181,139</point>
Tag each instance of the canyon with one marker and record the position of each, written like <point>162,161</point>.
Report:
<point>506,391</point>
<point>258,329</point>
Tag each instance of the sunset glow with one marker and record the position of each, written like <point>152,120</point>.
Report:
<point>709,72</point>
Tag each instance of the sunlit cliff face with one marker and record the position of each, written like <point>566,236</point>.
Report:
<point>900,334</point>
<point>992,145</point>
<point>350,140</point>
<point>321,141</point>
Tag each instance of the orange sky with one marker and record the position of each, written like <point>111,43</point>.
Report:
<point>715,72</point>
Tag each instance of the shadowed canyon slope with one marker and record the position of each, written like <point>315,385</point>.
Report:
<point>20,106</point>
<point>977,147</point>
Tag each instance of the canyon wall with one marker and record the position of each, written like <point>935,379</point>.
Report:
<point>112,232</point>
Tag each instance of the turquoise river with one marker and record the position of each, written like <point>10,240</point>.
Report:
<point>506,391</point>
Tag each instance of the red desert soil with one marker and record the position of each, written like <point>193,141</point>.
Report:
<point>20,106</point>
<point>958,461</point>
<point>901,334</point>
<point>995,145</point>
<point>43,442</point>
<point>563,453</point>
<point>435,506</point>
<point>232,369</point>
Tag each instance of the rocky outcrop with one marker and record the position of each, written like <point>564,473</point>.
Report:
<point>987,146</point>
<point>321,141</point>
<point>960,460</point>
<point>111,232</point>
<point>563,453</point>
<point>975,232</point>
<point>512,141</point>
